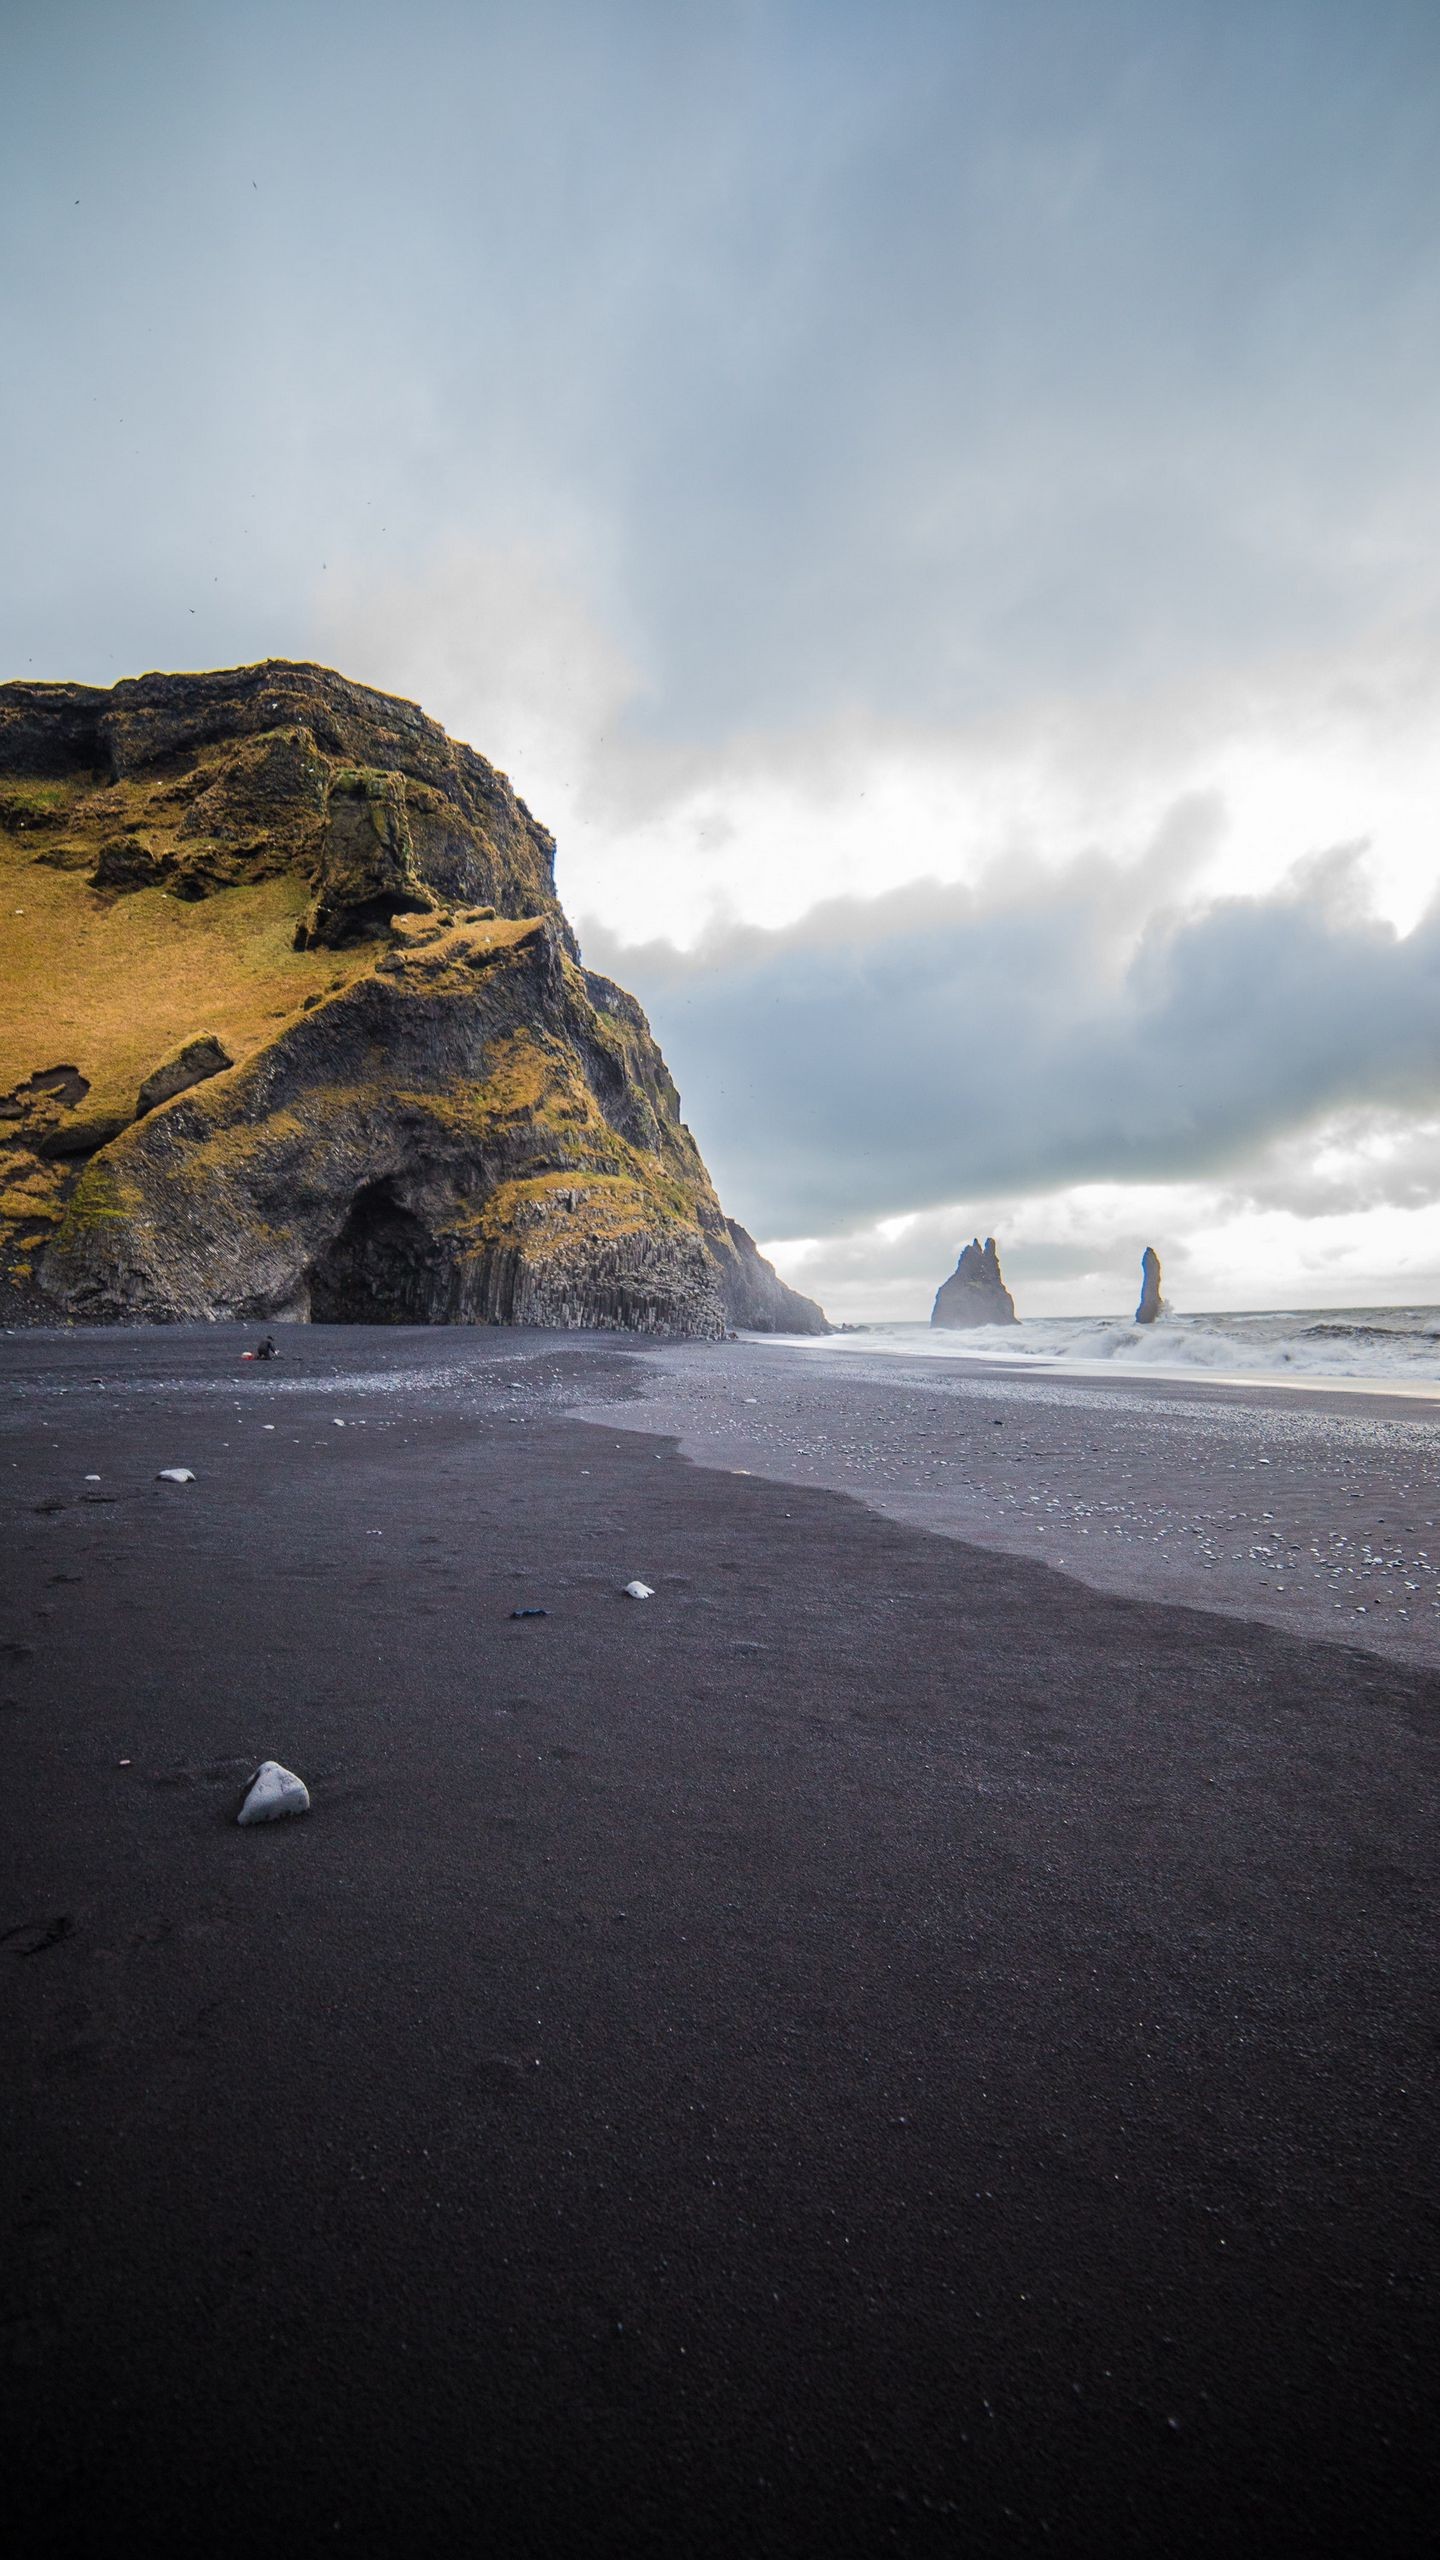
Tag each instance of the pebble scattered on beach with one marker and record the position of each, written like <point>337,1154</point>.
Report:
<point>273,1793</point>
<point>1315,1511</point>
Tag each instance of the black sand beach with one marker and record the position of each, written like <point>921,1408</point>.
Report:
<point>882,2047</point>
<point>1315,1508</point>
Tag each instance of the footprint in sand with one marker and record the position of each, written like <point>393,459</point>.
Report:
<point>204,1773</point>
<point>32,1937</point>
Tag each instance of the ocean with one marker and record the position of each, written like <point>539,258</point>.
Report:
<point>1382,1348</point>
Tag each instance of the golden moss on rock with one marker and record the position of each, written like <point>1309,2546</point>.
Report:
<point>417,1105</point>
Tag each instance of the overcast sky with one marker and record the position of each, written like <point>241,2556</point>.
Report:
<point>938,506</point>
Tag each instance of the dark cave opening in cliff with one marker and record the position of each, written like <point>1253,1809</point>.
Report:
<point>382,1268</point>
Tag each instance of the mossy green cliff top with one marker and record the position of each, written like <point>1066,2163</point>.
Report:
<point>292,1024</point>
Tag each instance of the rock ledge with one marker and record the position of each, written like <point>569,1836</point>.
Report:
<point>330,1050</point>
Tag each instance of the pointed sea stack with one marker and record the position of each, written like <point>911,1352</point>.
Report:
<point>292,1024</point>
<point>975,1292</point>
<point>1151,1303</point>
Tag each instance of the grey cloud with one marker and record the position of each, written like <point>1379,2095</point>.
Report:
<point>933,1046</point>
<point>1357,1162</point>
<point>907,360</point>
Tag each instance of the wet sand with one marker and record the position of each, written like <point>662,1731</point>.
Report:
<point>1314,1508</point>
<point>883,2047</point>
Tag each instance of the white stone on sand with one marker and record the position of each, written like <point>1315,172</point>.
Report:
<point>274,1792</point>
<point>177,1475</point>
<point>638,1591</point>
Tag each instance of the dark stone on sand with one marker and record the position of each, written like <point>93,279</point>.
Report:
<point>975,1293</point>
<point>1151,1304</point>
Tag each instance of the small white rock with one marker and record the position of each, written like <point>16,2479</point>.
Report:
<point>92,1479</point>
<point>274,1791</point>
<point>176,1475</point>
<point>638,1591</point>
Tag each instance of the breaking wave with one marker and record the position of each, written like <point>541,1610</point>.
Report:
<point>1395,1347</point>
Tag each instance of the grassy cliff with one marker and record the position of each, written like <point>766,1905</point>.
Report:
<point>292,1023</point>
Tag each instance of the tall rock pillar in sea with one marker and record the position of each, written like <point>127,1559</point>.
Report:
<point>1151,1303</point>
<point>975,1292</point>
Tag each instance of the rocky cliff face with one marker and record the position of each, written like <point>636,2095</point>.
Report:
<point>975,1292</point>
<point>757,1300</point>
<point>294,1025</point>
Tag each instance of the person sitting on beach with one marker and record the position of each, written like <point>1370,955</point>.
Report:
<point>266,1350</point>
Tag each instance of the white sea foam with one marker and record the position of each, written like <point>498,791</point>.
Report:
<point>1377,1347</point>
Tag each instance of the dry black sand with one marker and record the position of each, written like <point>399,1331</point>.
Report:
<point>881,2047</point>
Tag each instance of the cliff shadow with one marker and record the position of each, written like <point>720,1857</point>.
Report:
<point>384,1266</point>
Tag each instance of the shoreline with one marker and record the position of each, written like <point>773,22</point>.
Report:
<point>1139,1370</point>
<point>1321,1516</point>
<point>1105,1373</point>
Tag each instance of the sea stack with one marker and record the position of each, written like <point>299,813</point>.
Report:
<point>293,1025</point>
<point>975,1292</point>
<point>1151,1303</point>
